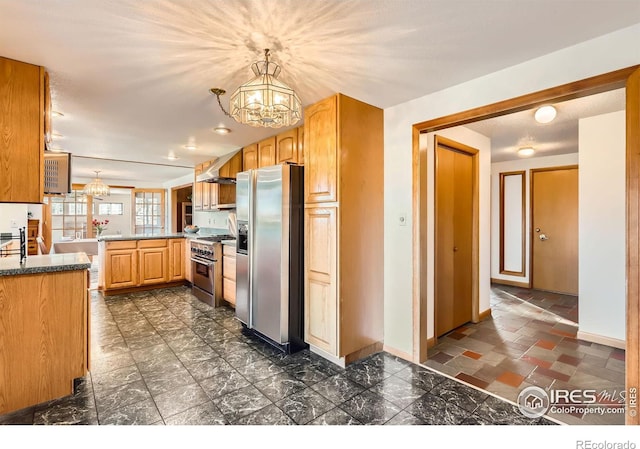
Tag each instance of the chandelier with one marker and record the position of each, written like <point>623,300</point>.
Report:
<point>96,187</point>
<point>263,101</point>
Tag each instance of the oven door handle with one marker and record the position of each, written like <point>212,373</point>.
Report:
<point>207,263</point>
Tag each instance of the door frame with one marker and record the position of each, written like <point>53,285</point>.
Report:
<point>628,77</point>
<point>473,153</point>
<point>531,232</point>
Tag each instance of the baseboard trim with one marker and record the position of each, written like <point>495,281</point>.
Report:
<point>340,361</point>
<point>601,339</point>
<point>511,283</point>
<point>486,314</point>
<point>398,353</point>
<point>363,352</point>
<point>120,291</point>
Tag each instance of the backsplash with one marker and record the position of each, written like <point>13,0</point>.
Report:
<point>211,219</point>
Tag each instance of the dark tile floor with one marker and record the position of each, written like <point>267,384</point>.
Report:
<point>163,357</point>
<point>531,340</point>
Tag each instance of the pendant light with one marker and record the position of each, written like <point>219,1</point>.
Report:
<point>96,187</point>
<point>264,100</point>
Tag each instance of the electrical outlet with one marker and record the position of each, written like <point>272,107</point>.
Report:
<point>402,219</point>
<point>14,224</point>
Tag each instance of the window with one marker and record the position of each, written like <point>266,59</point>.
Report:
<point>69,214</point>
<point>109,209</point>
<point>149,211</point>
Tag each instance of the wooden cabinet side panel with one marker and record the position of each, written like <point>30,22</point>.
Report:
<point>42,337</point>
<point>187,261</point>
<point>320,152</point>
<point>287,147</point>
<point>22,131</point>
<point>361,224</point>
<point>267,152</point>
<point>321,306</point>
<point>197,189</point>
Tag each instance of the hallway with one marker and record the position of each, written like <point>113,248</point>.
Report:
<point>531,340</point>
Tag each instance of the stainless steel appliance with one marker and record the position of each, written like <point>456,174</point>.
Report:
<point>269,254</point>
<point>206,268</point>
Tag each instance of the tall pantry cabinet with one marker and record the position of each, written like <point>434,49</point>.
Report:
<point>343,154</point>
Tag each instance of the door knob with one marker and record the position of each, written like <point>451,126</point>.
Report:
<point>455,248</point>
<point>543,237</point>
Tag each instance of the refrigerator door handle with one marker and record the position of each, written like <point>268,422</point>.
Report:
<point>250,234</point>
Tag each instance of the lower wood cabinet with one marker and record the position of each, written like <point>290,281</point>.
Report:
<point>229,274</point>
<point>142,263</point>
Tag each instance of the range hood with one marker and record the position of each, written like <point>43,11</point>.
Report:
<point>220,172</point>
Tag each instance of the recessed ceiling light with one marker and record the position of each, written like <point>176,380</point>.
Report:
<point>56,150</point>
<point>57,114</point>
<point>191,147</point>
<point>172,156</point>
<point>56,135</point>
<point>545,114</point>
<point>526,151</point>
<point>222,130</point>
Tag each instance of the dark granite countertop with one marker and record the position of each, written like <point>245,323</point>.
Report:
<point>10,266</point>
<point>113,238</point>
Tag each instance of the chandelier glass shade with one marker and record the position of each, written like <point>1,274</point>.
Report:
<point>264,100</point>
<point>96,187</point>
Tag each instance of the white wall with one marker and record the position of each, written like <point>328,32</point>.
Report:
<point>602,247</point>
<point>483,144</point>
<point>604,54</point>
<point>12,217</point>
<point>516,165</point>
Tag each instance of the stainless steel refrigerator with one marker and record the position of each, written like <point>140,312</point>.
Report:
<point>270,254</point>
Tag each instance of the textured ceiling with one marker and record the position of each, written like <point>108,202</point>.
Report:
<point>132,77</point>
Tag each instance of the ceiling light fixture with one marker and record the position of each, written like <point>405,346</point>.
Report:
<point>56,135</point>
<point>526,151</point>
<point>96,187</point>
<point>545,114</point>
<point>172,156</point>
<point>222,130</point>
<point>57,114</point>
<point>190,147</point>
<point>264,100</point>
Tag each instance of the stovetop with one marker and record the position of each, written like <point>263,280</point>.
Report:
<point>215,238</point>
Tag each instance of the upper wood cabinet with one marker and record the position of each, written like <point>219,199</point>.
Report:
<point>250,157</point>
<point>197,189</point>
<point>287,147</point>
<point>267,152</point>
<point>300,145</point>
<point>22,131</point>
<point>320,152</point>
<point>206,188</point>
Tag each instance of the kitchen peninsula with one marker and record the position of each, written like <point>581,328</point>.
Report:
<point>44,327</point>
<point>141,262</point>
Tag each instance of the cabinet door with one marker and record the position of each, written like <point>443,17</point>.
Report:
<point>320,284</point>
<point>301,145</point>
<point>176,260</point>
<point>154,265</point>
<point>214,190</point>
<point>267,152</point>
<point>22,132</point>
<point>121,268</point>
<point>197,189</point>
<point>187,261</point>
<point>250,157</point>
<point>287,147</point>
<point>206,189</point>
<point>320,152</point>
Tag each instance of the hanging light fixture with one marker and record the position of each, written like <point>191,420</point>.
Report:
<point>264,100</point>
<point>96,187</point>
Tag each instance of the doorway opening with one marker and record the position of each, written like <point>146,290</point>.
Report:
<point>181,207</point>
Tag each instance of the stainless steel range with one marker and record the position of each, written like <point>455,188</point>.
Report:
<point>206,268</point>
